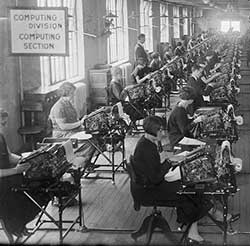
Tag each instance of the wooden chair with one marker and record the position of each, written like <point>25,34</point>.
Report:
<point>155,219</point>
<point>31,125</point>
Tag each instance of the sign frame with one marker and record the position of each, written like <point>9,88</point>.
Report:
<point>50,52</point>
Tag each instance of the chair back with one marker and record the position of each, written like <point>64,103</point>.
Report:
<point>132,175</point>
<point>130,169</point>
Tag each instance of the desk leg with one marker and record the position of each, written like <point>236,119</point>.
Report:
<point>225,212</point>
<point>60,226</point>
<point>113,161</point>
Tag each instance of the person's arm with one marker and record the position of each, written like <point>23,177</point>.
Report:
<point>67,126</point>
<point>13,171</point>
<point>210,79</point>
<point>183,123</point>
<point>60,120</point>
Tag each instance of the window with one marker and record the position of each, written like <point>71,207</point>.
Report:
<point>185,21</point>
<point>146,25</point>
<point>176,15</point>
<point>190,20</point>
<point>164,23</point>
<point>118,39</point>
<point>55,69</point>
<point>227,25</point>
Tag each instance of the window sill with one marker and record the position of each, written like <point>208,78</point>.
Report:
<point>118,63</point>
<point>50,88</point>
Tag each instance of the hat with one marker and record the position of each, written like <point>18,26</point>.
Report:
<point>187,93</point>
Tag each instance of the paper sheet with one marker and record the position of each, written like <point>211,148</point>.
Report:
<point>191,141</point>
<point>173,174</point>
<point>81,135</point>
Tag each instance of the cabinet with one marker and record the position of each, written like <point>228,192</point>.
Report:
<point>99,81</point>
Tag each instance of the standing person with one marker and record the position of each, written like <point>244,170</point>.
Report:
<point>139,51</point>
<point>152,186</point>
<point>115,87</point>
<point>16,209</point>
<point>65,121</point>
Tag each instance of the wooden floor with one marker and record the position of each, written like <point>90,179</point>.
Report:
<point>110,206</point>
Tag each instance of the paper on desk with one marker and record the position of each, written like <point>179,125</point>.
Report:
<point>173,174</point>
<point>69,151</point>
<point>206,98</point>
<point>191,141</point>
<point>81,135</point>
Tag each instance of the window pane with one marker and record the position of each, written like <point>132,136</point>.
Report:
<point>164,23</point>
<point>176,16</point>
<point>118,40</point>
<point>225,25</point>
<point>55,69</point>
<point>146,25</point>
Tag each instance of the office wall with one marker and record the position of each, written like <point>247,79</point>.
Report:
<point>9,80</point>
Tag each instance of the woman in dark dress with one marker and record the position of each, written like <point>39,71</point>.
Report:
<point>141,71</point>
<point>16,210</point>
<point>151,185</point>
<point>179,121</point>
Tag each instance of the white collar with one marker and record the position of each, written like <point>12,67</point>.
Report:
<point>151,138</point>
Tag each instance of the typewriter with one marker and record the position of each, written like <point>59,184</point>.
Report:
<point>197,169</point>
<point>218,124</point>
<point>48,163</point>
<point>97,122</point>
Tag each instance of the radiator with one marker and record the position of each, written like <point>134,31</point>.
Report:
<point>126,73</point>
<point>80,99</point>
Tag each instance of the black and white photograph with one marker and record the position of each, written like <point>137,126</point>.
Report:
<point>125,122</point>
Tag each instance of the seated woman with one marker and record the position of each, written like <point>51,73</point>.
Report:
<point>65,121</point>
<point>16,209</point>
<point>115,87</point>
<point>152,185</point>
<point>141,71</point>
<point>179,122</point>
<point>156,63</point>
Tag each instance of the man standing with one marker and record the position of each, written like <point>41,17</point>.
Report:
<point>139,49</point>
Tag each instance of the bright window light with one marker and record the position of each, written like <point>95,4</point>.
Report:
<point>227,25</point>
<point>236,26</point>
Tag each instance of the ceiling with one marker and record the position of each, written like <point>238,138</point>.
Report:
<point>210,4</point>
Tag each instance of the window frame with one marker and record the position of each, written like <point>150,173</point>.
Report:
<point>57,69</point>
<point>146,23</point>
<point>164,23</point>
<point>176,22</point>
<point>117,43</point>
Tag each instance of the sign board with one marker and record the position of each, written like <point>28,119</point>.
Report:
<point>38,31</point>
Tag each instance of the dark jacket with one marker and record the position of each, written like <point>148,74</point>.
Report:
<point>140,52</point>
<point>178,125</point>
